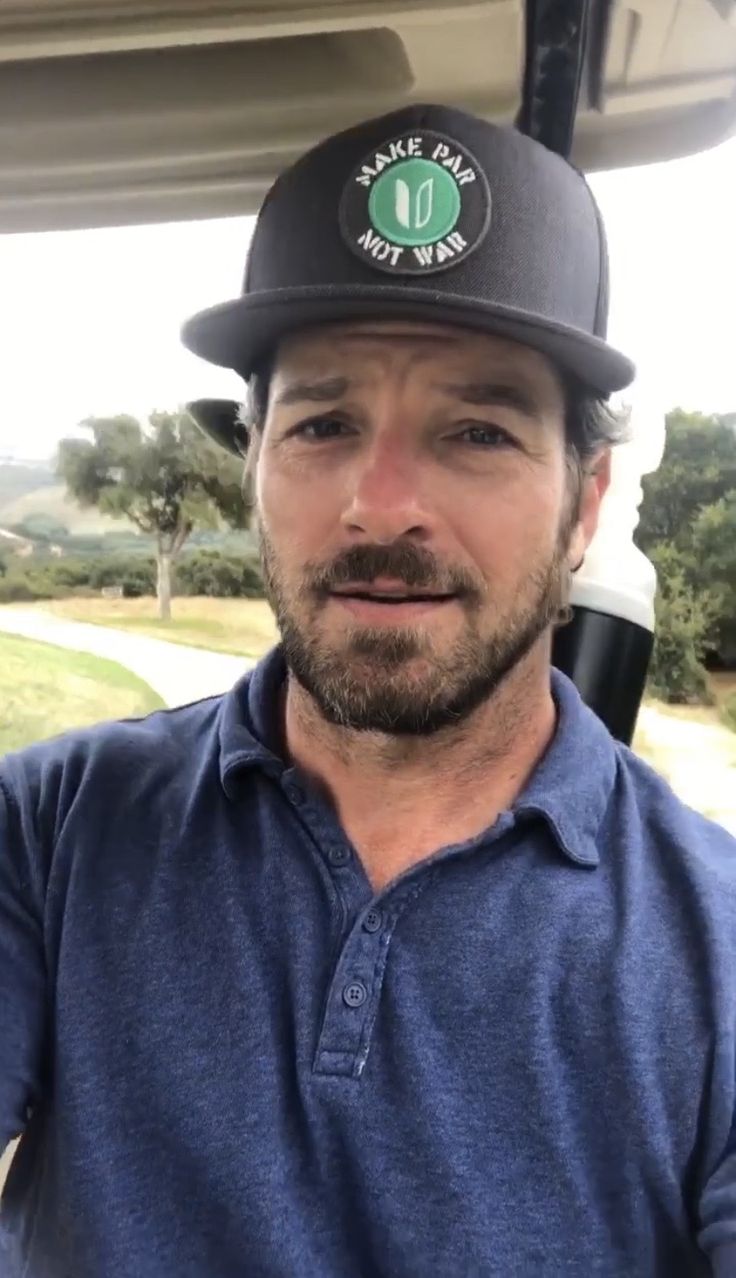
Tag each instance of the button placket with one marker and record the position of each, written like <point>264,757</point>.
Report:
<point>333,851</point>
<point>353,997</point>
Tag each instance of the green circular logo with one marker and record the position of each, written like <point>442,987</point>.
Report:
<point>415,202</point>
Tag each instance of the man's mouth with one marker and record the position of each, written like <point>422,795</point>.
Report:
<point>377,601</point>
<point>378,597</point>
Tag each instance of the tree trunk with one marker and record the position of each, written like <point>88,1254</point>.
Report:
<point>163,584</point>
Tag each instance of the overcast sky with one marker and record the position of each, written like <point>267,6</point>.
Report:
<point>89,320</point>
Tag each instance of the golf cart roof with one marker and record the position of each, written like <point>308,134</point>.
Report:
<point>120,111</point>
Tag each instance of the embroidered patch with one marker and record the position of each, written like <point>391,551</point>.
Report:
<point>419,203</point>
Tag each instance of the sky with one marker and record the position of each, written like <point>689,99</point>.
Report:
<point>89,320</point>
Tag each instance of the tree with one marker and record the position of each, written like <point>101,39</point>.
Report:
<point>698,468</point>
<point>683,620</point>
<point>166,477</point>
<point>714,557</point>
<point>688,529</point>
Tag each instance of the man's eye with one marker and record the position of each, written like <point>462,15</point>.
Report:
<point>319,428</point>
<point>487,437</point>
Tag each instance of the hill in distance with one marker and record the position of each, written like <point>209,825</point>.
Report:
<point>27,490</point>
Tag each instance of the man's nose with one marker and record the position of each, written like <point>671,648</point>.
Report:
<point>386,499</point>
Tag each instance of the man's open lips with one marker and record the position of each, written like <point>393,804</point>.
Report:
<point>378,597</point>
<point>372,604</point>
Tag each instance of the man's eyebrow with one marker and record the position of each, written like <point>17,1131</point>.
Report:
<point>496,395</point>
<point>313,392</point>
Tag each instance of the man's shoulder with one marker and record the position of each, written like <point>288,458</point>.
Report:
<point>656,821</point>
<point>118,753</point>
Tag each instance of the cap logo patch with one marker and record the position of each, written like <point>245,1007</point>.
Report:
<point>418,204</point>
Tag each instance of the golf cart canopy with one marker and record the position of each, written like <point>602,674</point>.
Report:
<point>130,111</point>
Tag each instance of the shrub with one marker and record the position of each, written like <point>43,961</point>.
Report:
<point>728,712</point>
<point>202,572</point>
<point>206,572</point>
<point>135,573</point>
<point>55,578</point>
<point>683,620</point>
<point>66,574</point>
<point>20,590</point>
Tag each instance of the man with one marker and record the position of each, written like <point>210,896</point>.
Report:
<point>389,962</point>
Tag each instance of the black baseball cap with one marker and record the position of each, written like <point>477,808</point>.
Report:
<point>426,214</point>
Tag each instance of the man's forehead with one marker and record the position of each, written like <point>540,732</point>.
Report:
<point>365,350</point>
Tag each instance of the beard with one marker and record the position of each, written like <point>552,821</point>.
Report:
<point>393,681</point>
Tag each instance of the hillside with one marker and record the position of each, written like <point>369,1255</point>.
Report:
<point>16,479</point>
<point>52,501</point>
<point>34,490</point>
<point>27,492</point>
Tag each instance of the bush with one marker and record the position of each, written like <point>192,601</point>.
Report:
<point>206,572</point>
<point>683,620</point>
<point>202,572</point>
<point>65,574</point>
<point>19,590</point>
<point>728,712</point>
<point>136,574</point>
<point>33,579</point>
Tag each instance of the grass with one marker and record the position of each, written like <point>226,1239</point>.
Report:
<point>695,751</point>
<point>242,627</point>
<point>46,690</point>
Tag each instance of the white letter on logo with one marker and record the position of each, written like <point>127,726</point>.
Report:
<point>424,254</point>
<point>402,204</point>
<point>422,211</point>
<point>424,204</point>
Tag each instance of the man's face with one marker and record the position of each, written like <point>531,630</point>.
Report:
<point>417,517</point>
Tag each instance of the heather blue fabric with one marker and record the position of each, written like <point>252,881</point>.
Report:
<point>231,1060</point>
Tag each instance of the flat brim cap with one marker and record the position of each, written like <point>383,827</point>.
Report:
<point>433,215</point>
<point>219,418</point>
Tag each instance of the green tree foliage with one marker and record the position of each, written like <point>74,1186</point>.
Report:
<point>199,572</point>
<point>683,619</point>
<point>714,551</point>
<point>205,572</point>
<point>688,529</point>
<point>728,712</point>
<point>698,468</point>
<point>166,477</point>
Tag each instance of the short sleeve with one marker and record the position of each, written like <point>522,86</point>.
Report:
<point>23,997</point>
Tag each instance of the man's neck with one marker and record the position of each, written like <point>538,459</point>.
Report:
<point>434,790</point>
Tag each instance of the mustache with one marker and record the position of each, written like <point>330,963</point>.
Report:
<point>406,562</point>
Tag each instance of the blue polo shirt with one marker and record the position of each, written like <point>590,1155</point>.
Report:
<point>230,1059</point>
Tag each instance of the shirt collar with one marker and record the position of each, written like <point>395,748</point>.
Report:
<point>572,783</point>
<point>570,788</point>
<point>249,722</point>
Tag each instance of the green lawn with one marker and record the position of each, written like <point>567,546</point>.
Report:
<point>45,690</point>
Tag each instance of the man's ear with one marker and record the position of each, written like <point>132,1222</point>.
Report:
<point>595,480</point>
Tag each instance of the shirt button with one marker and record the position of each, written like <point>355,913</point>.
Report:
<point>372,921</point>
<point>296,794</point>
<point>338,856</point>
<point>355,994</point>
